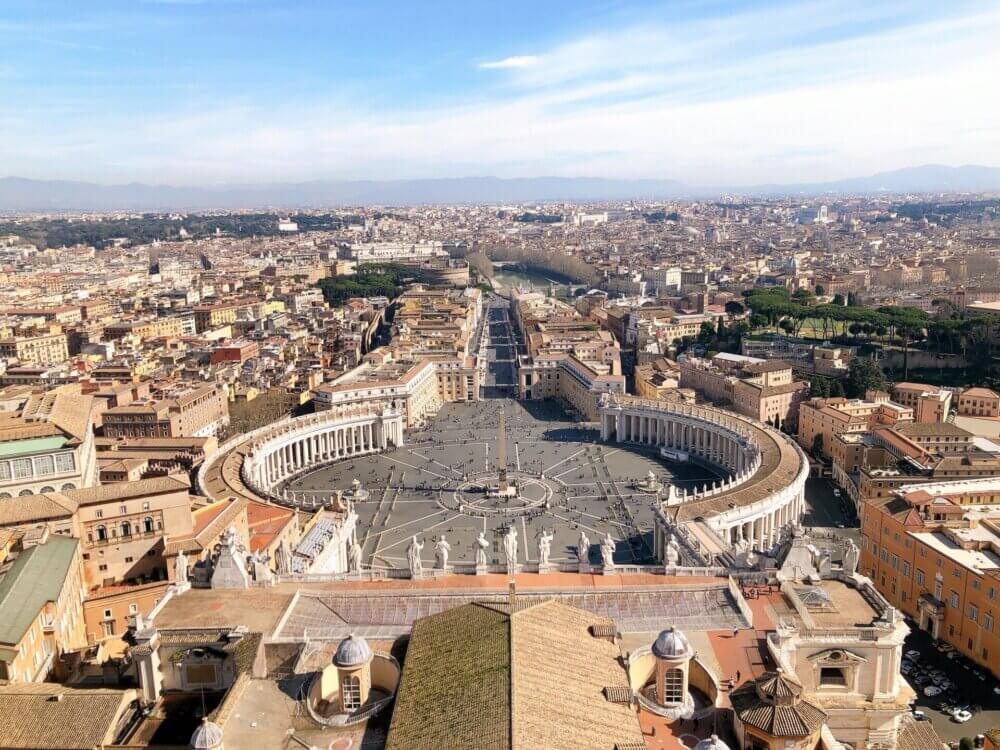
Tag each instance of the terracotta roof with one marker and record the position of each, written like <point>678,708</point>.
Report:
<point>475,676</point>
<point>81,719</point>
<point>773,704</point>
<point>33,508</point>
<point>917,735</point>
<point>127,490</point>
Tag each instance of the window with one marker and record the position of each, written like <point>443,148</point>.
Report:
<point>973,612</point>
<point>126,529</point>
<point>147,524</point>
<point>98,514</point>
<point>673,686</point>
<point>906,569</point>
<point>832,677</point>
<point>102,533</point>
<point>133,608</point>
<point>987,622</point>
<point>22,468</point>
<point>102,568</point>
<point>351,692</point>
<point>64,462</point>
<point>4,470</point>
<point>954,600</point>
<point>45,465</point>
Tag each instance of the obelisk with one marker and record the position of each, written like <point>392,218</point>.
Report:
<point>502,488</point>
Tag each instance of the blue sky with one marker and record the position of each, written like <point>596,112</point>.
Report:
<point>224,91</point>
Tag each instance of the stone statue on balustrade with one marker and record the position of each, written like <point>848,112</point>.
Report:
<point>672,555</point>
<point>510,548</point>
<point>608,552</point>
<point>354,558</point>
<point>413,557</point>
<point>583,551</point>
<point>181,568</point>
<point>481,546</point>
<point>851,557</point>
<point>441,550</point>
<point>544,550</point>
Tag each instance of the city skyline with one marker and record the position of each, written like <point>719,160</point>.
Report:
<point>215,92</point>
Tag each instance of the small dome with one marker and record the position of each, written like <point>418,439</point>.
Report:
<point>353,651</point>
<point>711,743</point>
<point>208,736</point>
<point>671,644</point>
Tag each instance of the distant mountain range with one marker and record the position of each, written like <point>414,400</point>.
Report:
<point>20,194</point>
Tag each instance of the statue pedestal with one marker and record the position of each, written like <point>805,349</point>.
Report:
<point>586,568</point>
<point>607,570</point>
<point>482,569</point>
<point>544,568</point>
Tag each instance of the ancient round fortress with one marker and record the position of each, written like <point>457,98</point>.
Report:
<point>656,483</point>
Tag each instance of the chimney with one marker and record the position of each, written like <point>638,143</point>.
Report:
<point>512,595</point>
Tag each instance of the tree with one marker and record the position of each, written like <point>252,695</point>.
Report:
<point>707,333</point>
<point>734,309</point>
<point>819,386</point>
<point>817,445</point>
<point>838,299</point>
<point>787,326</point>
<point>855,328</point>
<point>837,389</point>
<point>864,375</point>
<point>966,744</point>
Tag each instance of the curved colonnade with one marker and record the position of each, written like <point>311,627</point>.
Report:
<point>257,464</point>
<point>766,470</point>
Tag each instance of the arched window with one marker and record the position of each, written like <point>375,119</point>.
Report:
<point>147,524</point>
<point>351,692</point>
<point>47,490</point>
<point>102,533</point>
<point>126,529</point>
<point>68,486</point>
<point>673,686</point>
<point>6,496</point>
<point>25,493</point>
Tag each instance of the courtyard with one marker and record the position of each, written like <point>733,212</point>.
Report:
<point>434,488</point>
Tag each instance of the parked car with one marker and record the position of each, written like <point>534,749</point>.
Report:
<point>961,716</point>
<point>931,690</point>
<point>920,715</point>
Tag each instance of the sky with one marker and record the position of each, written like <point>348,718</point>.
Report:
<point>212,92</point>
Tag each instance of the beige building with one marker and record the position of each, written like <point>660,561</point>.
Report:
<point>41,612</point>
<point>826,417</point>
<point>979,402</point>
<point>44,349</point>
<point>47,443</point>
<point>765,390</point>
<point>656,379</point>
<point>929,403</point>
<point>192,412</point>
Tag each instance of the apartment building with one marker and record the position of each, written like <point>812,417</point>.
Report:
<point>152,328</point>
<point>40,349</point>
<point>929,403</point>
<point>765,390</point>
<point>189,412</point>
<point>41,612</point>
<point>656,379</point>
<point>979,402</point>
<point>933,550</point>
<point>47,443</point>
<point>826,417</point>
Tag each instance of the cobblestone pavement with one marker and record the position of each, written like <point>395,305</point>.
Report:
<point>570,481</point>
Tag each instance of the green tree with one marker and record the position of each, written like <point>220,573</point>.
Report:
<point>864,375</point>
<point>817,445</point>
<point>838,299</point>
<point>734,309</point>
<point>966,744</point>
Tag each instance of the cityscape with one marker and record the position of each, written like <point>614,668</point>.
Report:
<point>657,444</point>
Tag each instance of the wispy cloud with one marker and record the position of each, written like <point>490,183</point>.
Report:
<point>509,63</point>
<point>802,91</point>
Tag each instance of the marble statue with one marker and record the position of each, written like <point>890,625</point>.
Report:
<point>583,548</point>
<point>510,547</point>
<point>673,552</point>
<point>851,557</point>
<point>413,556</point>
<point>544,547</point>
<point>354,558</point>
<point>181,568</point>
<point>608,551</point>
<point>481,545</point>
<point>441,549</point>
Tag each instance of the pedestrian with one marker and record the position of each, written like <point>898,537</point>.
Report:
<point>737,675</point>
<point>735,631</point>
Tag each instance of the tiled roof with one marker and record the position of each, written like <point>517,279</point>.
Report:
<point>476,677</point>
<point>917,735</point>
<point>127,490</point>
<point>81,719</point>
<point>773,704</point>
<point>36,578</point>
